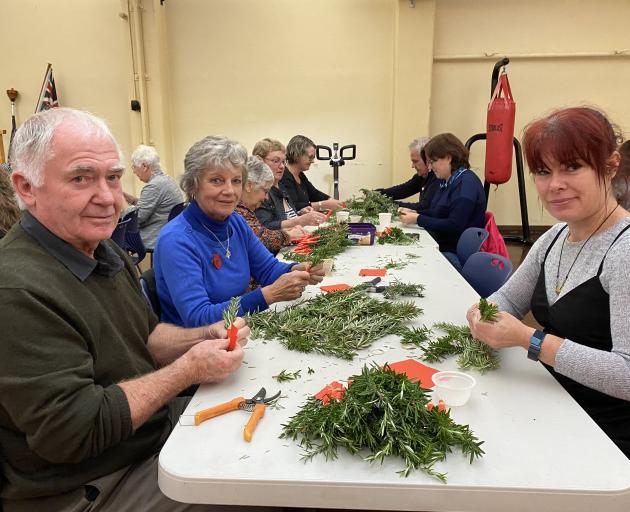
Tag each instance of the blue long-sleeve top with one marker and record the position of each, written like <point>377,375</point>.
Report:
<point>459,203</point>
<point>191,289</point>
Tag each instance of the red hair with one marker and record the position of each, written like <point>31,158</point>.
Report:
<point>570,135</point>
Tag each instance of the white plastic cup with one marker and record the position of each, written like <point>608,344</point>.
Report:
<point>355,218</point>
<point>384,220</point>
<point>342,216</point>
<point>453,387</point>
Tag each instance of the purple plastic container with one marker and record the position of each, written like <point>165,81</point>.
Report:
<point>362,233</point>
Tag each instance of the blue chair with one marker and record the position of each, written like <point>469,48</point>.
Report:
<point>118,235</point>
<point>133,242</point>
<point>176,210</point>
<point>470,241</point>
<point>486,272</point>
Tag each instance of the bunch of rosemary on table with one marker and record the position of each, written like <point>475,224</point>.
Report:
<point>457,340</point>
<point>384,413</point>
<point>399,289</point>
<point>337,323</point>
<point>396,236</point>
<point>370,205</point>
<point>328,242</point>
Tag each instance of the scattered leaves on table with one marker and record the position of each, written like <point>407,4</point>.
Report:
<point>384,413</point>
<point>284,376</point>
<point>399,289</point>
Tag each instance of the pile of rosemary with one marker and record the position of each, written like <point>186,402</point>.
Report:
<point>457,340</point>
<point>384,413</point>
<point>337,323</point>
<point>395,236</point>
<point>332,240</point>
<point>399,289</point>
<point>370,205</point>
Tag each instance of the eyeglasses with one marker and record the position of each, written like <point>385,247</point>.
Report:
<point>276,161</point>
<point>311,158</point>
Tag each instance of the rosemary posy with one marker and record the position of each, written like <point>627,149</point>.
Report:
<point>384,413</point>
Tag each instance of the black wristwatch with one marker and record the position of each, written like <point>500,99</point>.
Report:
<point>535,342</point>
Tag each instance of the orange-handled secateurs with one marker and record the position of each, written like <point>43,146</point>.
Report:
<point>256,405</point>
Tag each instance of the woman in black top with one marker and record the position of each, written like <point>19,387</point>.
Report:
<point>300,156</point>
<point>278,210</point>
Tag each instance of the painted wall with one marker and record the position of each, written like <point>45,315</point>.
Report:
<point>87,43</point>
<point>461,87</point>
<point>375,73</point>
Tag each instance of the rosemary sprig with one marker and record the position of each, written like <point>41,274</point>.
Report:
<point>488,310</point>
<point>383,413</point>
<point>231,312</point>
<point>471,352</point>
<point>416,336</point>
<point>337,323</point>
<point>396,236</point>
<point>284,376</point>
<point>400,289</point>
<point>370,205</point>
<point>333,240</point>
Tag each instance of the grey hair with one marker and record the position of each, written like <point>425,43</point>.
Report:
<point>258,172</point>
<point>212,152</point>
<point>32,144</point>
<point>418,144</point>
<point>297,147</point>
<point>146,155</point>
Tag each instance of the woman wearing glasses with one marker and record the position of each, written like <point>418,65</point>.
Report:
<point>300,156</point>
<point>278,211</point>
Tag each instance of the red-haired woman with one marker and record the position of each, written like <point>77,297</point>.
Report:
<point>575,279</point>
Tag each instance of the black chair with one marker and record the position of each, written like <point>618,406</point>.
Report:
<point>133,241</point>
<point>118,235</point>
<point>149,289</point>
<point>176,210</point>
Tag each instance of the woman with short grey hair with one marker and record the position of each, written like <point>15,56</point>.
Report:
<point>158,196</point>
<point>208,254</point>
<point>258,183</point>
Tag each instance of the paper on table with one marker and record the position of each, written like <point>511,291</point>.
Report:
<point>416,371</point>
<point>335,287</point>
<point>334,390</point>
<point>380,272</point>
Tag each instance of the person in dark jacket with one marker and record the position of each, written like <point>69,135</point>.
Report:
<point>423,181</point>
<point>460,201</point>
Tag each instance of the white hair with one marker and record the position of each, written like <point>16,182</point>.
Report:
<point>146,155</point>
<point>258,172</point>
<point>32,144</point>
<point>418,144</point>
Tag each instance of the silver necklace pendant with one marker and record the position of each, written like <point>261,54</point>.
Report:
<point>228,253</point>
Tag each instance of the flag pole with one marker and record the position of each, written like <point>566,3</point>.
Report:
<point>13,95</point>
<point>43,89</point>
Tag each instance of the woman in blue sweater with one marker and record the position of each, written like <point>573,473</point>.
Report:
<point>207,254</point>
<point>459,203</point>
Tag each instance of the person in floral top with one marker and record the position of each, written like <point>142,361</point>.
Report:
<point>259,181</point>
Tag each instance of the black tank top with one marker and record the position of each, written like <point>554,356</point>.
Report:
<point>583,316</point>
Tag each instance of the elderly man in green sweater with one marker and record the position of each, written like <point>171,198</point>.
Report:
<point>89,378</point>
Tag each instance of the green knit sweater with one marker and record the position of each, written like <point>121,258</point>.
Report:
<point>64,346</point>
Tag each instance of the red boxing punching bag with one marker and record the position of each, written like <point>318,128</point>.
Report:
<point>499,133</point>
